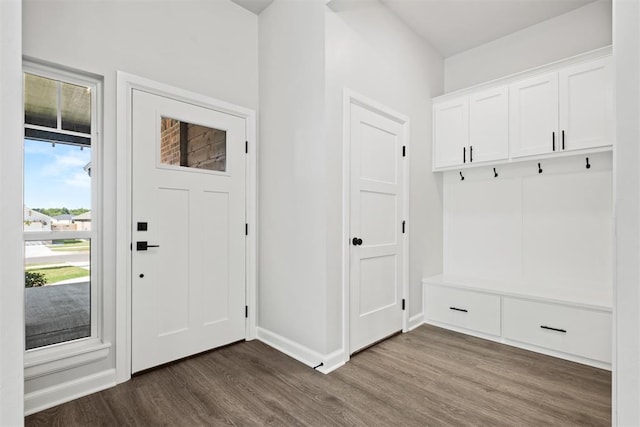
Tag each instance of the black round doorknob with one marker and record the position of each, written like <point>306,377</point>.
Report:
<point>356,241</point>
<point>141,275</point>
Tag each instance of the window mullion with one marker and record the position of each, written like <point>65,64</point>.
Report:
<point>59,130</point>
<point>59,106</point>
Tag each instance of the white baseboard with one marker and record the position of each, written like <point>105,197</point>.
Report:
<point>301,353</point>
<point>415,321</point>
<point>333,361</point>
<point>529,347</point>
<point>65,392</point>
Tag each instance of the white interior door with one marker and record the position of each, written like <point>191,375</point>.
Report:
<point>377,195</point>
<point>188,292</point>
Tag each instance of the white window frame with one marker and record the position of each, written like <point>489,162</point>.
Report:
<point>56,357</point>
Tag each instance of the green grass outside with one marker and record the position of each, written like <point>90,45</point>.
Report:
<point>58,274</point>
<point>71,246</point>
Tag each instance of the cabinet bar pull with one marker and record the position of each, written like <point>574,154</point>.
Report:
<point>553,140</point>
<point>464,154</point>
<point>564,331</point>
<point>471,154</point>
<point>563,139</point>
<point>458,309</point>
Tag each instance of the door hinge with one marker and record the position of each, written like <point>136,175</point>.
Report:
<point>246,311</point>
<point>131,246</point>
<point>403,303</point>
<point>404,151</point>
<point>246,147</point>
<point>246,229</point>
<point>403,224</point>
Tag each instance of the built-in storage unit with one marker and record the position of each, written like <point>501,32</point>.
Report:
<point>472,129</point>
<point>528,210</point>
<point>559,108</point>
<point>476,311</point>
<point>584,332</point>
<point>570,109</point>
<point>489,309</point>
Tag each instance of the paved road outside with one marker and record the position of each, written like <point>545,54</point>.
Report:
<point>41,254</point>
<point>59,258</point>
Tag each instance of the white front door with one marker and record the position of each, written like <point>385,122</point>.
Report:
<point>188,218</point>
<point>376,225</point>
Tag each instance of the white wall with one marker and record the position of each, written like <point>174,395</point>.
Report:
<point>626,364</point>
<point>11,250</point>
<point>578,31</point>
<point>292,174</point>
<point>308,54</point>
<point>370,51</point>
<point>209,47</point>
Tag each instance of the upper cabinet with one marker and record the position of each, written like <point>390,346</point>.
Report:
<point>489,125</point>
<point>533,124</point>
<point>472,129</point>
<point>563,110</point>
<point>566,110</point>
<point>586,105</point>
<point>451,129</point>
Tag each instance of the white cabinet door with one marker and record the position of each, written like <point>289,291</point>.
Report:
<point>573,330</point>
<point>466,309</point>
<point>533,116</point>
<point>451,132</point>
<point>586,105</point>
<point>489,125</point>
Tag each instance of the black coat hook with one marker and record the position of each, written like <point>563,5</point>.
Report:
<point>539,168</point>
<point>495,174</point>
<point>588,165</point>
<point>461,176</point>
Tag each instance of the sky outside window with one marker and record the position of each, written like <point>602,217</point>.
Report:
<point>54,175</point>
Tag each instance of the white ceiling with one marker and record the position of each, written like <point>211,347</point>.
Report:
<point>255,6</point>
<point>453,26</point>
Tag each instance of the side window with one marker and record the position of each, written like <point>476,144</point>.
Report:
<point>60,219</point>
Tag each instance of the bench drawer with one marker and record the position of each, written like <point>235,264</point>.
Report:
<point>573,330</point>
<point>466,309</point>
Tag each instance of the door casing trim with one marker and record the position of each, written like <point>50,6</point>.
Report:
<point>350,97</point>
<point>126,83</point>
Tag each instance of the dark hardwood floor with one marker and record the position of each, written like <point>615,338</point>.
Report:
<point>428,377</point>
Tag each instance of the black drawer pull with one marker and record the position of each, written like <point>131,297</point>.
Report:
<point>564,331</point>
<point>458,309</point>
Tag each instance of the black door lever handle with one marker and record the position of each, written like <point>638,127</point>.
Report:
<point>142,246</point>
